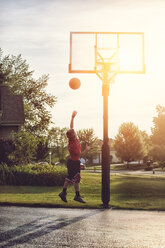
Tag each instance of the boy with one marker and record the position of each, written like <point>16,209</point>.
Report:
<point>73,163</point>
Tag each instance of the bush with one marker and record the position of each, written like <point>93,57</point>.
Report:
<point>32,175</point>
<point>162,165</point>
<point>148,168</point>
<point>6,148</point>
<point>6,175</point>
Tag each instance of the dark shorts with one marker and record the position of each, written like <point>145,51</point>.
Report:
<point>73,171</point>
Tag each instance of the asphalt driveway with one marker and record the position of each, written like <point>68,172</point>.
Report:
<point>23,227</point>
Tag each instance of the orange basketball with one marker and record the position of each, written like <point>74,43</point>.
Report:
<point>74,83</point>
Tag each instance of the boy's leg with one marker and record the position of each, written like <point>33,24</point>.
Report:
<point>77,196</point>
<point>63,194</point>
<point>77,188</point>
<point>66,184</point>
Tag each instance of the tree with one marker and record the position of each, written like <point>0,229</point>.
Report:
<point>25,147</point>
<point>42,149</point>
<point>157,153</point>
<point>128,143</point>
<point>14,72</point>
<point>158,135</point>
<point>147,144</point>
<point>58,142</point>
<point>87,136</point>
<point>158,131</point>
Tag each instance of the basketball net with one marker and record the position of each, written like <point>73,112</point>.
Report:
<point>107,67</point>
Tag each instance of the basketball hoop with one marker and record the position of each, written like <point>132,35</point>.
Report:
<point>105,54</point>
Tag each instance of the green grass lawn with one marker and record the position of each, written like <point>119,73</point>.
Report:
<point>127,191</point>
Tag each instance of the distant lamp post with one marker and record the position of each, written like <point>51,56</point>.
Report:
<point>50,157</point>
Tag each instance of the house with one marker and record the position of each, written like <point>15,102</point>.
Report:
<point>11,112</point>
<point>115,159</point>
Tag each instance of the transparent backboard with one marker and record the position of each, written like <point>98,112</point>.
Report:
<point>89,50</point>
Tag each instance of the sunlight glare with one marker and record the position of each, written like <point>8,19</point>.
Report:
<point>131,53</point>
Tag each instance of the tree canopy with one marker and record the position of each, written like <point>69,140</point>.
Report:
<point>158,135</point>
<point>58,142</point>
<point>25,147</point>
<point>87,136</point>
<point>128,143</point>
<point>158,131</point>
<point>15,73</point>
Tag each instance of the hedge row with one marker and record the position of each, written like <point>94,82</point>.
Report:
<point>32,175</point>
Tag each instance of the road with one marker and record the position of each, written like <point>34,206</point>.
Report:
<point>131,172</point>
<point>22,227</point>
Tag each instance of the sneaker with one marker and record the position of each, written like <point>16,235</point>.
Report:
<point>63,197</point>
<point>79,199</point>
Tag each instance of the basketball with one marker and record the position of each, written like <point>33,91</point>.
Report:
<point>74,83</point>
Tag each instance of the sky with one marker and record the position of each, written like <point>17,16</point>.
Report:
<point>39,30</point>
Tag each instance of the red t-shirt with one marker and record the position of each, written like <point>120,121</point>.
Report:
<point>74,148</point>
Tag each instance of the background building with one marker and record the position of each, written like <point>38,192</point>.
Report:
<point>11,112</point>
<point>112,154</point>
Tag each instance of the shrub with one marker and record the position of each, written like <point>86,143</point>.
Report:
<point>148,169</point>
<point>33,175</point>
<point>6,175</point>
<point>162,165</point>
<point>6,148</point>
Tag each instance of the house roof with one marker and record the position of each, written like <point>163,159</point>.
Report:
<point>11,107</point>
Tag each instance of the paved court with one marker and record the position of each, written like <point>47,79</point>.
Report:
<point>52,227</point>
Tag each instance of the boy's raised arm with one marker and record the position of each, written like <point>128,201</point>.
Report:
<point>72,119</point>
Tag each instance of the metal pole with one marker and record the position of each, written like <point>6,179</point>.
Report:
<point>105,146</point>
